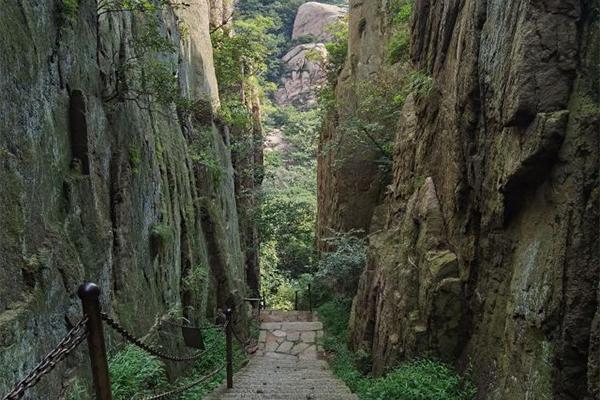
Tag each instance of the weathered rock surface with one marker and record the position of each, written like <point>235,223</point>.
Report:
<point>305,75</point>
<point>349,180</point>
<point>313,19</point>
<point>485,248</point>
<point>106,190</point>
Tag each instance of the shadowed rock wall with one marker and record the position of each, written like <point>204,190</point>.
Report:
<point>485,250</point>
<point>107,190</point>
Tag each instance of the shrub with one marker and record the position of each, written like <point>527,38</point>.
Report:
<point>420,379</point>
<point>342,266</point>
<point>399,46</point>
<point>335,314</point>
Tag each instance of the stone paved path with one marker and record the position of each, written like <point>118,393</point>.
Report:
<point>287,365</point>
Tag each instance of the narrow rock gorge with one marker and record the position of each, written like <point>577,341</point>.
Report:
<point>424,220</point>
<point>106,178</point>
<point>483,227</point>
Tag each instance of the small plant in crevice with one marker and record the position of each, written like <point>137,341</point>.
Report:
<point>420,83</point>
<point>399,45</point>
<point>196,280</point>
<point>202,151</point>
<point>69,10</point>
<point>78,391</point>
<point>160,236</point>
<point>135,158</point>
<point>144,68</point>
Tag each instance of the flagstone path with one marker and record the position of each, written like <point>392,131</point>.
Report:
<point>287,365</point>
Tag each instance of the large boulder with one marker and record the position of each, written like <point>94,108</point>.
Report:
<point>314,18</point>
<point>305,75</point>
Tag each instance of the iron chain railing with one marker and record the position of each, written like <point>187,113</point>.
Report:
<point>155,352</point>
<point>69,343</point>
<point>91,327</point>
<point>185,388</point>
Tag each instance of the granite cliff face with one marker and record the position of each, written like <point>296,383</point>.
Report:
<point>108,188</point>
<point>484,248</point>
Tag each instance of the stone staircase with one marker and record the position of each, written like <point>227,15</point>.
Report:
<point>287,365</point>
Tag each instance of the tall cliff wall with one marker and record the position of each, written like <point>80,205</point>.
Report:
<point>105,187</point>
<point>350,183</point>
<point>485,250</point>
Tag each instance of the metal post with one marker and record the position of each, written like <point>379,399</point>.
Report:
<point>309,299</point>
<point>229,347</point>
<point>296,301</point>
<point>89,293</point>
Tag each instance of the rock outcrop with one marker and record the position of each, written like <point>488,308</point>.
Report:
<point>484,249</point>
<point>106,186</point>
<point>313,19</point>
<point>304,65</point>
<point>305,74</point>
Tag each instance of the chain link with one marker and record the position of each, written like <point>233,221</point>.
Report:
<point>69,343</point>
<point>186,387</point>
<point>137,342</point>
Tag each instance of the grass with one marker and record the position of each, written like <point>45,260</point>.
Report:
<point>419,379</point>
<point>133,371</point>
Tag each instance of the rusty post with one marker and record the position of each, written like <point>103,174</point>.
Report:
<point>89,293</point>
<point>229,347</point>
<point>309,299</point>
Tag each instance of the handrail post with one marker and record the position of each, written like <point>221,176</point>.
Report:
<point>89,293</point>
<point>296,301</point>
<point>309,299</point>
<point>229,347</point>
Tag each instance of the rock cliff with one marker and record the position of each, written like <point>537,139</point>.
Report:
<point>484,249</point>
<point>104,181</point>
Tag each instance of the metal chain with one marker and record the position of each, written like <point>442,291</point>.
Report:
<point>69,343</point>
<point>137,342</point>
<point>200,328</point>
<point>186,387</point>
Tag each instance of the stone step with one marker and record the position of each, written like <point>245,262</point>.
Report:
<point>286,366</point>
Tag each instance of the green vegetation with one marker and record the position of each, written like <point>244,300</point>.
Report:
<point>342,266</point>
<point>196,281</point>
<point>202,151</point>
<point>133,371</point>
<point>160,236</point>
<point>282,13</point>
<point>399,45</point>
<point>420,379</point>
<point>69,10</point>
<point>287,218</point>
<point>135,374</point>
<point>145,73</point>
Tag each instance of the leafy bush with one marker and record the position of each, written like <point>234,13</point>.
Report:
<point>399,46</point>
<point>340,268</point>
<point>420,83</point>
<point>335,314</point>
